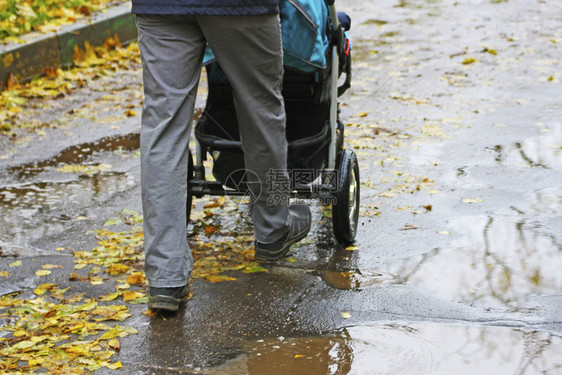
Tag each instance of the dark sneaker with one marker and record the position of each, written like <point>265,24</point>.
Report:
<point>166,298</point>
<point>300,219</point>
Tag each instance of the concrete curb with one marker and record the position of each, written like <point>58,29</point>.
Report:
<point>42,51</point>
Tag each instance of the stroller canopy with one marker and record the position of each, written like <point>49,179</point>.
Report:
<point>303,30</point>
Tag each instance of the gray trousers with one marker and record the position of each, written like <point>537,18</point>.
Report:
<point>248,49</point>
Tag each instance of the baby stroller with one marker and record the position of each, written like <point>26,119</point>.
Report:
<point>319,167</point>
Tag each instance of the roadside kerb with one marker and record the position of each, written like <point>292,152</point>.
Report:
<point>40,52</point>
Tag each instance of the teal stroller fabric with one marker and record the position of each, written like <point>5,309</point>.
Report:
<point>303,29</point>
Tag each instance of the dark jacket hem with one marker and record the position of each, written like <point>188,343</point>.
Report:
<point>190,10</point>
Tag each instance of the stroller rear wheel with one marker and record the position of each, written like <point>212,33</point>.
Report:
<point>345,210</point>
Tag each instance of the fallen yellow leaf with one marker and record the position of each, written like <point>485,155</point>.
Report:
<point>110,334</point>
<point>403,208</point>
<point>117,268</point>
<point>96,280</point>
<point>20,333</point>
<point>253,268</point>
<point>150,313</point>
<point>470,200</point>
<point>219,278</point>
<point>122,286</point>
<point>114,366</point>
<point>410,226</point>
<point>114,344</point>
<point>41,289</point>
<point>209,229</point>
<point>131,295</point>
<point>112,222</point>
<point>110,297</point>
<point>50,266</point>
<point>42,272</point>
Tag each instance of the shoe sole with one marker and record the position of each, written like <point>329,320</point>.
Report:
<point>270,255</point>
<point>167,303</point>
<point>163,303</point>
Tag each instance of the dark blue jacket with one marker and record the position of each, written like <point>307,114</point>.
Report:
<point>206,7</point>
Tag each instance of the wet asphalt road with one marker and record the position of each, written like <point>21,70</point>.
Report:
<point>454,114</point>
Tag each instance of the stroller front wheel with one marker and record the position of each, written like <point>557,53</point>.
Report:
<point>345,209</point>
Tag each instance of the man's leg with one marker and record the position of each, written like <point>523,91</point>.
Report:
<point>248,49</point>
<point>171,50</point>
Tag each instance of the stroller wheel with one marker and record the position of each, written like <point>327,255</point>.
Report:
<point>189,196</point>
<point>345,210</point>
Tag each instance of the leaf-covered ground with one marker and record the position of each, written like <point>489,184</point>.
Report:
<point>19,17</point>
<point>67,333</point>
<point>91,64</point>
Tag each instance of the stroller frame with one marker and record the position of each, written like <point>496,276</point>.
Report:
<point>338,184</point>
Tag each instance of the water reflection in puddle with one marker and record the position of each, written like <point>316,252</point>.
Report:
<point>29,211</point>
<point>79,153</point>
<point>33,211</point>
<point>352,280</point>
<point>495,262</point>
<point>42,195</point>
<point>416,348</point>
<point>545,202</point>
<point>543,151</point>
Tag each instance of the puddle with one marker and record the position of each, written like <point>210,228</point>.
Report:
<point>545,202</point>
<point>408,4</point>
<point>389,34</point>
<point>354,280</point>
<point>11,250</point>
<point>365,50</point>
<point>45,195</point>
<point>374,21</point>
<point>33,211</point>
<point>540,152</point>
<point>411,348</point>
<point>79,153</point>
<point>495,262</point>
<point>29,197</point>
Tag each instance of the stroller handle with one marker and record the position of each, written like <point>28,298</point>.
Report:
<point>330,4</point>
